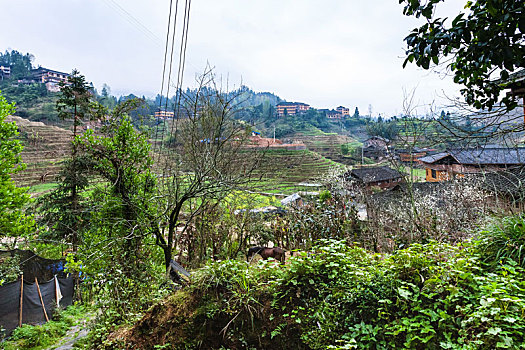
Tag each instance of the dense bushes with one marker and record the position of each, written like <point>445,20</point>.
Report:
<point>503,240</point>
<point>428,296</point>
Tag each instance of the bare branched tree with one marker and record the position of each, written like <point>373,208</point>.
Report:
<point>466,125</point>
<point>206,160</point>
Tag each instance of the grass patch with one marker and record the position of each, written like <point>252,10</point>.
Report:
<point>30,337</point>
<point>40,188</point>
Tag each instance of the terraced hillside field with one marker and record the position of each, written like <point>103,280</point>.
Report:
<point>328,145</point>
<point>45,146</point>
<point>284,170</point>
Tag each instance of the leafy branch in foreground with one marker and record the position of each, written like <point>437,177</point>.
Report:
<point>489,38</point>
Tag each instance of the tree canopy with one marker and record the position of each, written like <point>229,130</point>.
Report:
<point>13,221</point>
<point>20,64</point>
<point>486,40</point>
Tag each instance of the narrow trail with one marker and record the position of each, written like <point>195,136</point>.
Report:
<point>76,333</point>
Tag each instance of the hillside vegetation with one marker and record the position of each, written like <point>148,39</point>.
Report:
<point>431,296</point>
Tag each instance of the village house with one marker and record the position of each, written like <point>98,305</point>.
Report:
<point>50,78</point>
<point>412,155</point>
<point>333,115</point>
<point>506,188</point>
<point>377,142</point>
<point>376,147</point>
<point>448,165</point>
<point>382,177</point>
<point>338,113</point>
<point>164,115</point>
<point>345,112</point>
<point>291,108</point>
<point>5,72</point>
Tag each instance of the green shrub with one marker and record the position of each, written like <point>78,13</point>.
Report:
<point>425,297</point>
<point>503,240</point>
<point>39,337</point>
<point>335,296</point>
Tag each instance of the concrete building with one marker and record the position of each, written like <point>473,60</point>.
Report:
<point>345,112</point>
<point>164,115</point>
<point>291,108</point>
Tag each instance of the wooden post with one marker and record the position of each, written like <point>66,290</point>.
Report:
<point>21,301</point>
<point>41,301</point>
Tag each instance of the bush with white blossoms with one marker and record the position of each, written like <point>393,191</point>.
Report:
<point>421,212</point>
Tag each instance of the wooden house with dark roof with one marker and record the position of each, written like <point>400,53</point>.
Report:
<point>448,165</point>
<point>412,155</point>
<point>383,177</point>
<point>50,78</point>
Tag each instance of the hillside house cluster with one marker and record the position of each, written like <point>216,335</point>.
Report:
<point>377,148</point>
<point>291,108</point>
<point>338,113</point>
<point>294,108</point>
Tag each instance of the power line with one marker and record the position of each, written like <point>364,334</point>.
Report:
<point>133,21</point>
<point>164,65</point>
<point>182,59</point>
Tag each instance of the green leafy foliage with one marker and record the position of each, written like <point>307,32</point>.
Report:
<point>503,240</point>
<point>64,209</point>
<point>20,64</point>
<point>430,296</point>
<point>487,38</point>
<point>13,220</point>
<point>9,269</point>
<point>29,337</point>
<point>117,245</point>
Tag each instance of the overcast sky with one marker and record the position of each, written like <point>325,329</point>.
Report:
<point>325,53</point>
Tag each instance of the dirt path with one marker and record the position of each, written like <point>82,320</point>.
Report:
<point>76,333</point>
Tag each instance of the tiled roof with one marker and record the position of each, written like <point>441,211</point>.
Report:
<point>378,138</point>
<point>291,104</point>
<point>42,69</point>
<point>482,156</point>
<point>513,78</point>
<point>368,175</point>
<point>434,158</point>
<point>500,156</point>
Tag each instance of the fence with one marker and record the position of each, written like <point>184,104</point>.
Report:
<point>29,300</point>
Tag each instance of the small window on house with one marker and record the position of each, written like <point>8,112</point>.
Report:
<point>434,174</point>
